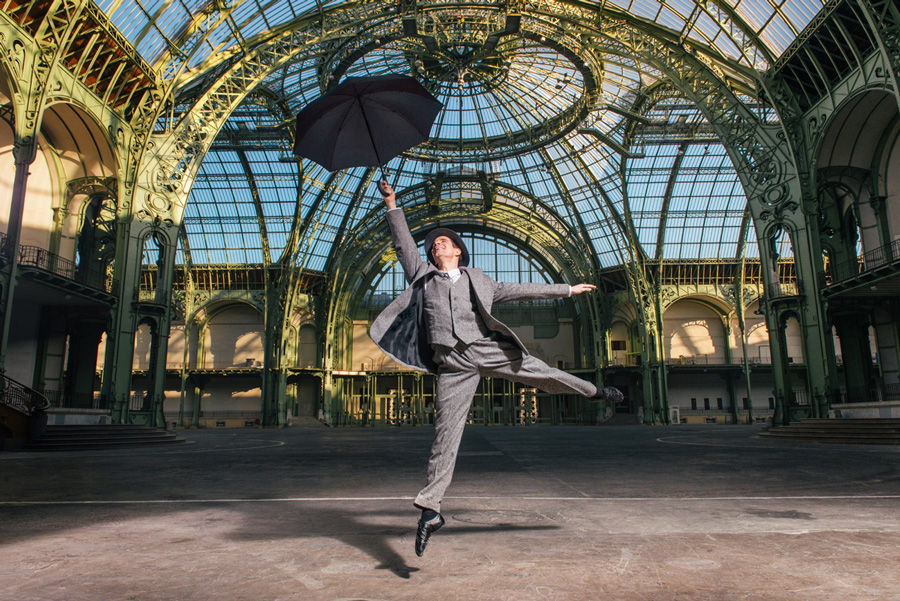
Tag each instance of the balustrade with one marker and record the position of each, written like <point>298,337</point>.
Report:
<point>18,396</point>
<point>877,257</point>
<point>40,258</point>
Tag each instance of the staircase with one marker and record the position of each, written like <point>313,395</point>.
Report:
<point>22,413</point>
<point>622,419</point>
<point>840,431</point>
<point>83,438</point>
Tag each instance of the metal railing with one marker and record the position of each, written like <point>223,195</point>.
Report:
<point>621,359</point>
<point>20,397</point>
<point>5,249</point>
<point>716,360</point>
<point>40,258</point>
<point>219,365</point>
<point>715,411</point>
<point>229,414</point>
<point>62,400</point>
<point>783,290</point>
<point>154,297</point>
<point>33,256</point>
<point>873,259</point>
<point>176,414</point>
<point>869,394</point>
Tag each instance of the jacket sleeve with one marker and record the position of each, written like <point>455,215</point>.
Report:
<point>505,292</point>
<point>405,246</point>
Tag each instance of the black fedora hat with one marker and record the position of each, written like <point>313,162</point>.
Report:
<point>442,231</point>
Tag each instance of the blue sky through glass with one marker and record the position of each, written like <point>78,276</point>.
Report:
<point>583,177</point>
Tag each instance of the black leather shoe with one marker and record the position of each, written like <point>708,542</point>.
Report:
<point>610,393</point>
<point>425,530</point>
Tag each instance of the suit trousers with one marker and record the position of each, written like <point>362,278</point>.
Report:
<point>459,370</point>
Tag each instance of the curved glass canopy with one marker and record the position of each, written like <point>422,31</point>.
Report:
<point>584,130</point>
<point>754,31</point>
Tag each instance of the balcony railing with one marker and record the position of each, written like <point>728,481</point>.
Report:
<point>154,297</point>
<point>632,360</point>
<point>178,365</point>
<point>714,360</point>
<point>783,290</point>
<point>873,259</point>
<point>40,258</point>
<point>33,256</point>
<point>5,249</point>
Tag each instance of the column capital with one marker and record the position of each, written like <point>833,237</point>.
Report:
<point>24,150</point>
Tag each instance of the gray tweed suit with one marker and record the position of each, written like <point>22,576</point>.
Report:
<point>446,327</point>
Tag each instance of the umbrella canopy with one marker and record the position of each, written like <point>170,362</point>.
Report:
<point>365,122</point>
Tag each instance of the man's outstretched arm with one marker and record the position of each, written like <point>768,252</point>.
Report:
<point>505,292</point>
<point>581,288</point>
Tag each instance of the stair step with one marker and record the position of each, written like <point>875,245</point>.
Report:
<point>622,419</point>
<point>77,437</point>
<point>824,435</point>
<point>860,429</point>
<point>848,421</point>
<point>116,437</point>
<point>845,431</point>
<point>833,437</point>
<point>98,444</point>
<point>98,428</point>
<point>110,434</point>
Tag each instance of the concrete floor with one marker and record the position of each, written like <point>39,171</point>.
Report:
<point>580,513</point>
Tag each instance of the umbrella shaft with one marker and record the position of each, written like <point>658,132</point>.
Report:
<point>362,109</point>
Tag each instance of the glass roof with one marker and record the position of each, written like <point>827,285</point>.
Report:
<point>544,120</point>
<point>759,30</point>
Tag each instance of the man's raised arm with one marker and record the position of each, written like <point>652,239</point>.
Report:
<point>407,253</point>
<point>390,198</point>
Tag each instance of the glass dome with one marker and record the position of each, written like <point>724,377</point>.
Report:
<point>536,112</point>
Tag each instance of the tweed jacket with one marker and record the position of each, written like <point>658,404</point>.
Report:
<point>400,330</point>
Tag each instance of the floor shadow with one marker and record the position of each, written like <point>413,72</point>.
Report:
<point>369,530</point>
<point>365,530</point>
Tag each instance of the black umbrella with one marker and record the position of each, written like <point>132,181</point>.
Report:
<point>365,122</point>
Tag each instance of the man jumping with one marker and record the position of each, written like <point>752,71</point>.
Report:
<point>443,324</point>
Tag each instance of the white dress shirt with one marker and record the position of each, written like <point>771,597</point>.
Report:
<point>453,274</point>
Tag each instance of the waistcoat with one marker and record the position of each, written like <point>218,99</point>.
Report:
<point>450,313</point>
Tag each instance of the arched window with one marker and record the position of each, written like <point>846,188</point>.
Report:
<point>153,258</point>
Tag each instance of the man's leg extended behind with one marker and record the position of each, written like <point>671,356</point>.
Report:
<point>503,359</point>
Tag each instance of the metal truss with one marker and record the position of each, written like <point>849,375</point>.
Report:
<point>513,212</point>
<point>345,31</point>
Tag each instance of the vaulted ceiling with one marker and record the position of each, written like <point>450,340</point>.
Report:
<point>550,106</point>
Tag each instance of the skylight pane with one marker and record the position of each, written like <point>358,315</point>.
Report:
<point>704,24</point>
<point>801,12</point>
<point>778,34</point>
<point>756,13</point>
<point>670,19</point>
<point>647,9</point>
